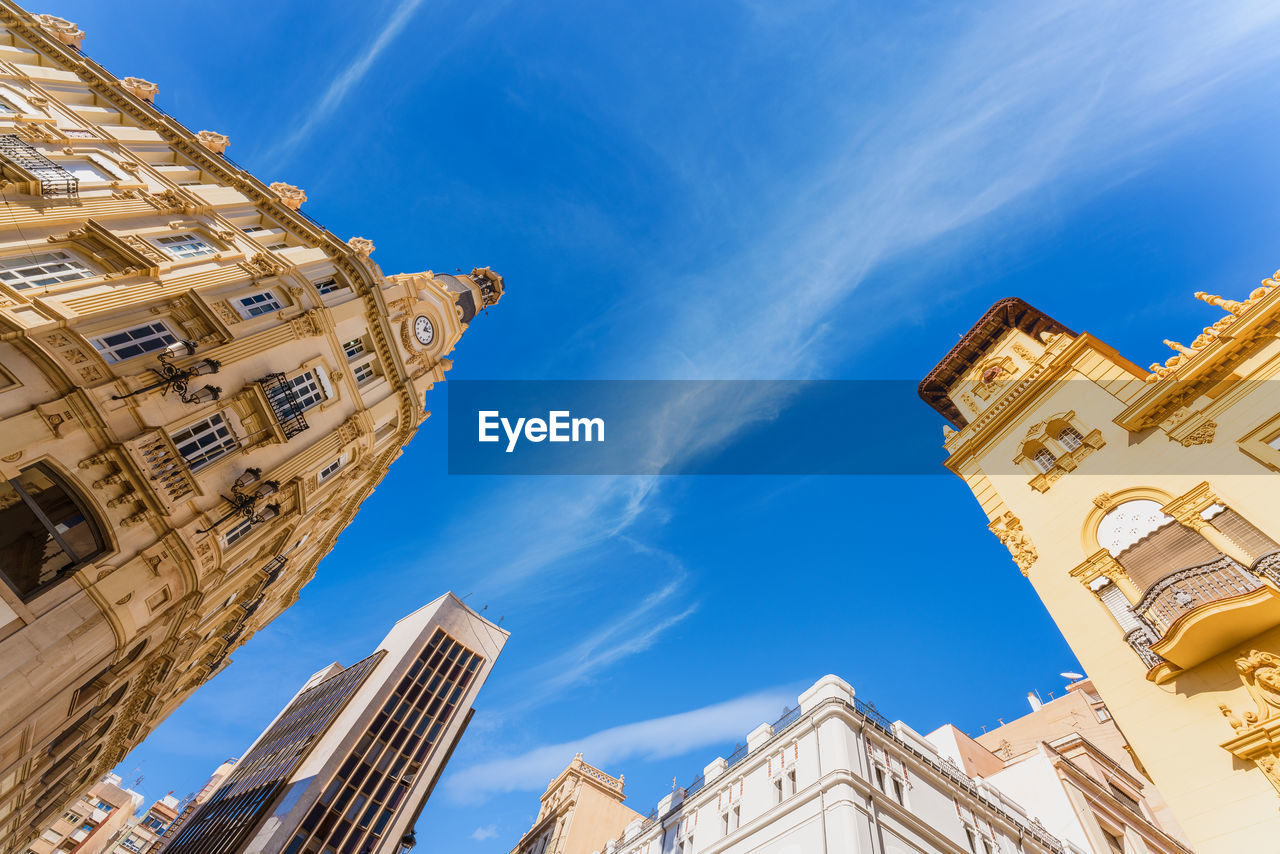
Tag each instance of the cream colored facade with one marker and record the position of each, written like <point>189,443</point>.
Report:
<point>154,514</point>
<point>1071,766</point>
<point>581,808</point>
<point>92,822</point>
<point>1141,505</point>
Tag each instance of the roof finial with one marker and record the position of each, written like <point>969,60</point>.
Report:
<point>1174,345</point>
<point>1229,306</point>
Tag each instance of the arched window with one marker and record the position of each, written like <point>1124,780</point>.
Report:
<point>45,531</point>
<point>1070,438</point>
<point>1045,460</point>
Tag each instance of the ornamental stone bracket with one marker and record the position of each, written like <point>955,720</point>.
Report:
<point>144,89</point>
<point>214,141</point>
<point>1188,507</point>
<point>362,246</point>
<point>1008,529</point>
<point>1102,565</point>
<point>290,196</point>
<point>1194,429</point>
<point>1257,737</point>
<point>61,29</point>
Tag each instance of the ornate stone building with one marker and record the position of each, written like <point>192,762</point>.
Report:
<point>835,776</point>
<point>1141,505</point>
<point>580,809</point>
<point>199,386</point>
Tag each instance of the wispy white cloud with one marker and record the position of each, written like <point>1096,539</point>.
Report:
<point>489,831</point>
<point>348,78</point>
<point>622,635</point>
<point>644,741</point>
<point>1026,102</point>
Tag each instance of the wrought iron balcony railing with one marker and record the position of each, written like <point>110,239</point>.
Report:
<point>285,404</point>
<point>54,180</point>
<point>1141,640</point>
<point>1187,589</point>
<point>164,467</point>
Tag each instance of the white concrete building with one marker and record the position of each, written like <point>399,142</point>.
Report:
<point>835,777</point>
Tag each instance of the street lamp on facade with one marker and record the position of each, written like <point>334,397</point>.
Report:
<point>178,379</point>
<point>244,503</point>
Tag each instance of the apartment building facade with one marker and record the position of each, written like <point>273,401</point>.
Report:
<point>1141,506</point>
<point>199,386</point>
<point>833,775</point>
<point>90,823</point>
<point>581,806</point>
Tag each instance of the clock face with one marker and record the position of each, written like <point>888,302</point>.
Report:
<point>423,330</point>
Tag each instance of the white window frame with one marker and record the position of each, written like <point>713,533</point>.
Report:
<point>329,285</point>
<point>354,349</point>
<point>152,336</point>
<point>194,245</point>
<point>88,172</point>
<point>20,271</point>
<point>237,532</point>
<point>258,304</point>
<point>213,440</point>
<point>370,373</point>
<point>310,388</point>
<point>331,469</point>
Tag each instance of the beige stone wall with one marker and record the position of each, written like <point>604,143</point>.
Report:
<point>1192,435</point>
<point>581,810</point>
<point>96,656</point>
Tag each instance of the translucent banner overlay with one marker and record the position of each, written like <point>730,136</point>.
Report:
<point>844,427</point>
<point>691,427</point>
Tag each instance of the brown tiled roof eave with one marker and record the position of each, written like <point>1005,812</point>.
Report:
<point>1008,313</point>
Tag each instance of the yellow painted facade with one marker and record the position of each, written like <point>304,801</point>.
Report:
<point>1141,505</point>
<point>581,812</point>
<point>198,387</point>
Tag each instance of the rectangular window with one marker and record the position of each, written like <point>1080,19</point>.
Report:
<point>354,348</point>
<point>205,441</point>
<point>327,286</point>
<point>87,172</point>
<point>777,791</point>
<point>256,305</point>
<point>250,229</point>
<point>364,373</point>
<point>307,390</point>
<point>184,245</point>
<point>43,269</point>
<point>237,531</point>
<point>1274,443</point>
<point>134,341</point>
<point>278,246</point>
<point>330,470</point>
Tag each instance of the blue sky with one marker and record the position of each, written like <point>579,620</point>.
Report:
<point>715,190</point>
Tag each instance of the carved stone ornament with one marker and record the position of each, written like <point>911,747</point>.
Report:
<point>1008,529</point>
<point>263,265</point>
<point>1257,737</point>
<point>144,89</point>
<point>61,29</point>
<point>214,141</point>
<point>310,322</point>
<point>362,246</point>
<point>290,196</point>
<point>1202,435</point>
